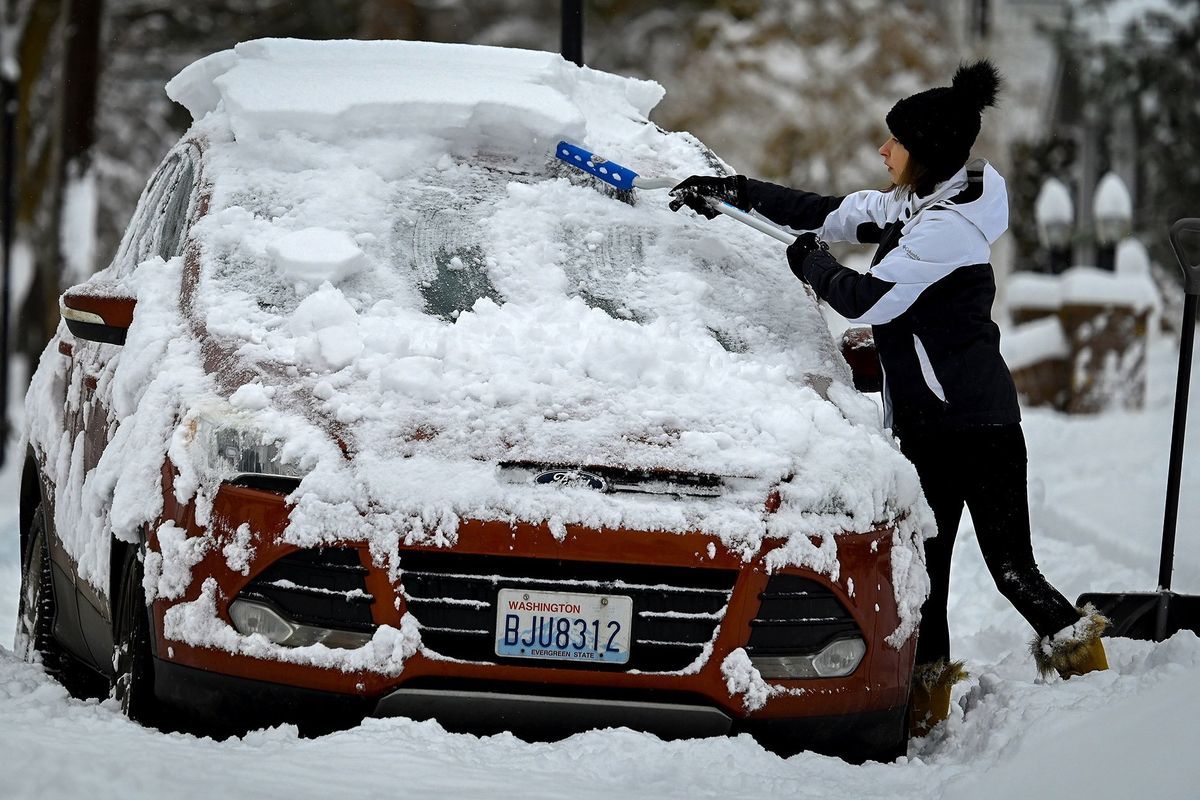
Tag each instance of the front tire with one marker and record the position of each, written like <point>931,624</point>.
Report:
<point>36,613</point>
<point>133,682</point>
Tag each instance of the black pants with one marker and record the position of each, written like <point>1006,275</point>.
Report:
<point>985,468</point>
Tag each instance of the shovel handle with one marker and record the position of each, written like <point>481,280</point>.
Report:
<point>1191,276</point>
<point>1190,267</point>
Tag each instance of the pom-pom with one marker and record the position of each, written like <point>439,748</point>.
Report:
<point>978,83</point>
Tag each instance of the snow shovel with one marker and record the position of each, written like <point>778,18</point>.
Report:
<point>626,180</point>
<point>1158,615</point>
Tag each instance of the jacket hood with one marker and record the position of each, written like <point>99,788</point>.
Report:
<point>984,205</point>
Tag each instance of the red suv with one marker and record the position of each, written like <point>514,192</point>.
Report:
<point>380,410</point>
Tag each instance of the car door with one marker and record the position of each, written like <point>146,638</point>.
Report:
<point>158,228</point>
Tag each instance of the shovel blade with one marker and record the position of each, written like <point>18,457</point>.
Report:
<point>1150,616</point>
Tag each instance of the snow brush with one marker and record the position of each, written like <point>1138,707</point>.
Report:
<point>626,180</point>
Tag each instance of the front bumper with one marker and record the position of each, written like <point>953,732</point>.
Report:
<point>223,704</point>
<point>501,694</point>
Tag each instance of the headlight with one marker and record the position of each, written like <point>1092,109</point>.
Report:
<point>233,446</point>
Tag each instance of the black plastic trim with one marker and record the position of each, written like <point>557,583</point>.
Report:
<point>224,704</point>
<point>96,332</point>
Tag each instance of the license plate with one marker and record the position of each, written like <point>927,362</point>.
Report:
<point>563,626</point>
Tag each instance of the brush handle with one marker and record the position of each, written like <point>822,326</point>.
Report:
<point>758,223</point>
<point>621,177</point>
<point>654,183</point>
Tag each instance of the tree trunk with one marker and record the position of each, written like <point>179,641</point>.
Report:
<point>60,58</point>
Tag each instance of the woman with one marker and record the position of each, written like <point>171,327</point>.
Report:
<point>948,395</point>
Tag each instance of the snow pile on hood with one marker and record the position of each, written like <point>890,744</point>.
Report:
<point>438,297</point>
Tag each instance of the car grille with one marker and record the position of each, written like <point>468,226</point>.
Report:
<point>797,616</point>
<point>676,610</point>
<point>323,587</point>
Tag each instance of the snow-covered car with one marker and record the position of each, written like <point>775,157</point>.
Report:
<point>381,409</point>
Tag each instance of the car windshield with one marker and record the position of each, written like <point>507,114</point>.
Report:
<point>446,237</point>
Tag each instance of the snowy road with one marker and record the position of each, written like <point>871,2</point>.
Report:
<point>1098,493</point>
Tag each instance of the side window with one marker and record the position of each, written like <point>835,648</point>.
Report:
<point>160,219</point>
<point>136,245</point>
<point>175,212</point>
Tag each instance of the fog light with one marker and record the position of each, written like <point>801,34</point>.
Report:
<point>840,658</point>
<point>250,618</point>
<point>837,660</point>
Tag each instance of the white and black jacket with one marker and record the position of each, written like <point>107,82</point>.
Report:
<point>928,295</point>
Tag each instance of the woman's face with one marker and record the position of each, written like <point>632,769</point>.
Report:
<point>895,158</point>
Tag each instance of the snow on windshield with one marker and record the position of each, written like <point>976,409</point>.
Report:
<point>388,229</point>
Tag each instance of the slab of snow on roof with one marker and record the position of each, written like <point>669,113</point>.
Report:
<point>326,89</point>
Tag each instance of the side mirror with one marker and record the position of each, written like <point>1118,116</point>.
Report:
<point>858,348</point>
<point>97,312</point>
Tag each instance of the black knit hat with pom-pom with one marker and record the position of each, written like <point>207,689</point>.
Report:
<point>938,126</point>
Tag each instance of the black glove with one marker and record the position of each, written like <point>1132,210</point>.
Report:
<point>805,245</point>
<point>696,192</point>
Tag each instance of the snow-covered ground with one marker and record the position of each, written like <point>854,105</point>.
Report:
<point>1098,486</point>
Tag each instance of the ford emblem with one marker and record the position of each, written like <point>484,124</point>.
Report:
<point>573,477</point>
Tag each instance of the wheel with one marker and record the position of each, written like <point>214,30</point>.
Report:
<point>855,738</point>
<point>133,682</point>
<point>35,618</point>
<point>35,612</point>
<point>888,753</point>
